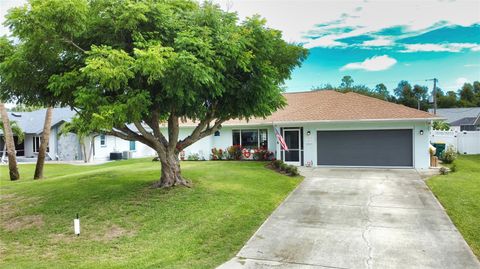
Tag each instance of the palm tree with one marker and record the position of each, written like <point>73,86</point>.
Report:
<point>9,142</point>
<point>42,151</point>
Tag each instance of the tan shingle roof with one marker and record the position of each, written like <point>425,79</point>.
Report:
<point>337,106</point>
<point>327,105</point>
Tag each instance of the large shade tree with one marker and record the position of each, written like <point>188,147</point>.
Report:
<point>130,67</point>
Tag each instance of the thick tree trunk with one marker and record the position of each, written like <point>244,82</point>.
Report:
<point>171,174</point>
<point>10,143</point>
<point>42,152</point>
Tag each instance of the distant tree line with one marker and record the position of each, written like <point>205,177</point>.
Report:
<point>416,96</point>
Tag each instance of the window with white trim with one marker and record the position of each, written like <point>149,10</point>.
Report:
<point>250,138</point>
<point>103,140</point>
<point>132,145</point>
<point>36,144</point>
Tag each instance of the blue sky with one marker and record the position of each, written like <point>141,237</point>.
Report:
<point>377,41</point>
<point>372,41</point>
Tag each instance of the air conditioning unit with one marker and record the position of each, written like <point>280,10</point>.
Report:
<point>126,155</point>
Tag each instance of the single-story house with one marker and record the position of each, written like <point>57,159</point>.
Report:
<point>31,123</point>
<point>461,119</point>
<point>329,128</point>
<point>320,128</point>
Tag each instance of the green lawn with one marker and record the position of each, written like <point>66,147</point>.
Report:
<point>126,224</point>
<point>459,193</point>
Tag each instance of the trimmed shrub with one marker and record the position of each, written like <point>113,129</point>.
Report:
<point>193,157</point>
<point>283,166</point>
<point>449,155</point>
<point>277,163</point>
<point>292,170</point>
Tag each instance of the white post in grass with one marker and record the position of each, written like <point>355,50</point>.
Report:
<point>76,225</point>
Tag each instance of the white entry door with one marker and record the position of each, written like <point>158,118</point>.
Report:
<point>293,141</point>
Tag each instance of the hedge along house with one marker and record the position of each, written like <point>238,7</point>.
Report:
<point>328,128</point>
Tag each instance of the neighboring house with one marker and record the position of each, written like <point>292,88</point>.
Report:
<point>461,119</point>
<point>65,147</point>
<point>320,128</point>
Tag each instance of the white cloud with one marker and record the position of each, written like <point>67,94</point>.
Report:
<point>460,81</point>
<point>324,42</point>
<point>299,18</point>
<point>447,47</point>
<point>380,42</point>
<point>375,63</point>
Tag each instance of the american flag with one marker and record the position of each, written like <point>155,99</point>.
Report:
<point>281,140</point>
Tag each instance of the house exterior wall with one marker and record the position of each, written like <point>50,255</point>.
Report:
<point>29,146</point>
<point>115,144</point>
<point>68,148</point>
<point>421,157</point>
<point>52,144</point>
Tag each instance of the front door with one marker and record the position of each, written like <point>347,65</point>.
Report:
<point>292,139</point>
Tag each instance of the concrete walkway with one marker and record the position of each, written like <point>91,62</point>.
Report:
<point>357,218</point>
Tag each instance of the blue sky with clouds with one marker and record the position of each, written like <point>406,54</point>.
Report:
<point>373,41</point>
<point>377,41</point>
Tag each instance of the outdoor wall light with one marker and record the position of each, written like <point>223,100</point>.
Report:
<point>308,132</point>
<point>421,132</point>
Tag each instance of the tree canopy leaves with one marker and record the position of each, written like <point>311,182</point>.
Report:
<point>416,96</point>
<point>121,60</point>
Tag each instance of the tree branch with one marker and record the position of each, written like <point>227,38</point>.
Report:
<point>69,41</point>
<point>153,123</point>
<point>120,135</point>
<point>197,135</point>
<point>131,135</point>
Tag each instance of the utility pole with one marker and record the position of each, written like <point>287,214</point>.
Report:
<point>434,94</point>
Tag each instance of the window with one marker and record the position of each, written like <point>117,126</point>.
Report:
<point>252,138</point>
<point>103,140</point>
<point>36,144</point>
<point>132,145</point>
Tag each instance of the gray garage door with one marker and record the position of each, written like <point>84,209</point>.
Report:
<point>365,148</point>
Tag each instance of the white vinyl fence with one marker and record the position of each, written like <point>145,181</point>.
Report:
<point>465,142</point>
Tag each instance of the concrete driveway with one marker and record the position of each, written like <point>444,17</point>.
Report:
<point>357,218</point>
